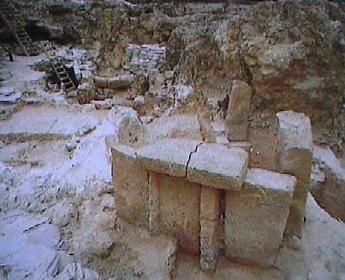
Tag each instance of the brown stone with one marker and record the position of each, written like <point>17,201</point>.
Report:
<point>209,244</point>
<point>295,148</point>
<point>209,204</point>
<point>238,111</point>
<point>256,216</point>
<point>131,192</point>
<point>179,211</point>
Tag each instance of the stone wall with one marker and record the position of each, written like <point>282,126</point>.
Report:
<point>175,186</point>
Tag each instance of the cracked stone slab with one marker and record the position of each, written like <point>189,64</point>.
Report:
<point>168,156</point>
<point>217,166</point>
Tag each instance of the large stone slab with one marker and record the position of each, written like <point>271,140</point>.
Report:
<point>131,186</point>
<point>256,216</point>
<point>217,166</point>
<point>330,192</point>
<point>168,156</point>
<point>295,148</point>
<point>179,210</point>
<point>238,111</point>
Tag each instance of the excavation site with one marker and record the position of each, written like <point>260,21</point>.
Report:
<point>172,140</point>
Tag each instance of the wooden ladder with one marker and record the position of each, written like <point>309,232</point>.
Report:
<point>15,24</point>
<point>58,67</point>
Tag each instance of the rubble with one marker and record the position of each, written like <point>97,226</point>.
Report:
<point>187,150</point>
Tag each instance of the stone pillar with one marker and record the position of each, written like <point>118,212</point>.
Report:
<point>295,148</point>
<point>209,228</point>
<point>238,111</point>
<point>131,192</point>
<point>256,216</point>
<point>154,205</point>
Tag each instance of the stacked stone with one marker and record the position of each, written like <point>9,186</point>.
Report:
<point>146,57</point>
<point>176,189</point>
<point>295,148</point>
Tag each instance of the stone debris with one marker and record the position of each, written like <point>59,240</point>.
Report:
<point>329,189</point>
<point>189,175</point>
<point>146,57</point>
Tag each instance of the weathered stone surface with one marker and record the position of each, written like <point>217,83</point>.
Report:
<point>209,244</point>
<point>131,192</point>
<point>120,82</point>
<point>330,192</point>
<point>238,111</point>
<point>217,166</point>
<point>168,156</point>
<point>209,204</point>
<point>295,148</point>
<point>154,203</point>
<point>256,216</point>
<point>178,126</point>
<point>180,211</point>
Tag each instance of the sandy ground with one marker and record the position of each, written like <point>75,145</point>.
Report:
<point>57,213</point>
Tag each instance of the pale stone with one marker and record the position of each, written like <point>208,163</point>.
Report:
<point>209,204</point>
<point>329,189</point>
<point>256,216</point>
<point>238,111</point>
<point>100,82</point>
<point>217,166</point>
<point>168,156</point>
<point>131,192</point>
<point>209,244</point>
<point>180,211</point>
<point>120,82</point>
<point>295,148</point>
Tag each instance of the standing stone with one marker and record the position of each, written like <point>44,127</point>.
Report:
<point>131,192</point>
<point>179,211</point>
<point>154,218</point>
<point>256,216</point>
<point>295,148</point>
<point>238,111</point>
<point>209,228</point>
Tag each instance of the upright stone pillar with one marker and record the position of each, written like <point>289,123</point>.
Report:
<point>238,111</point>
<point>295,148</point>
<point>209,228</point>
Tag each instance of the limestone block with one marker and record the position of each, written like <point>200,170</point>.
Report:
<point>100,82</point>
<point>131,192</point>
<point>209,244</point>
<point>120,82</point>
<point>179,211</point>
<point>168,156</point>
<point>217,166</point>
<point>209,204</point>
<point>295,148</point>
<point>256,216</point>
<point>238,111</point>
<point>329,192</point>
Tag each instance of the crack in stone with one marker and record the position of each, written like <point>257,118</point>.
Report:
<point>190,156</point>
